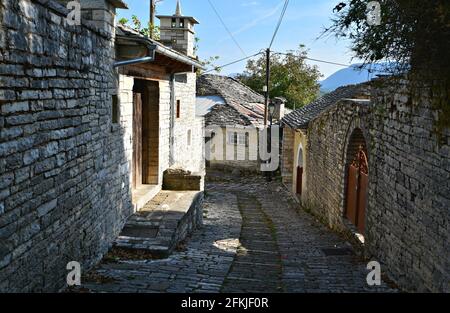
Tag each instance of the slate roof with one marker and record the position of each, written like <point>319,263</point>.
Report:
<point>248,104</point>
<point>224,115</point>
<point>299,119</point>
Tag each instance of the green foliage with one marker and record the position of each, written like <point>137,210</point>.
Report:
<point>137,26</point>
<point>291,77</point>
<point>210,63</point>
<point>123,21</point>
<point>413,33</point>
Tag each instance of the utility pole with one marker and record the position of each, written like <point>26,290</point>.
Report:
<point>266,103</point>
<point>152,18</point>
<point>266,107</point>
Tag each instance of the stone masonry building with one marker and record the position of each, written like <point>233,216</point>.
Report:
<point>85,139</point>
<point>377,170</point>
<point>234,117</point>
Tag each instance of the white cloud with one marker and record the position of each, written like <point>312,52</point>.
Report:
<point>265,15</point>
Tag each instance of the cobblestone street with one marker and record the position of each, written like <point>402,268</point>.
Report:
<point>254,239</point>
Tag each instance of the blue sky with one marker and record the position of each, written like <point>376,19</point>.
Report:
<point>253,22</point>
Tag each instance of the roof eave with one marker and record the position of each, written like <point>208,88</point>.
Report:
<point>160,48</point>
<point>119,4</point>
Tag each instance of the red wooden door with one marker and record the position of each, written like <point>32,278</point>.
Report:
<point>299,180</point>
<point>352,193</point>
<point>357,188</point>
<point>362,201</point>
<point>137,140</point>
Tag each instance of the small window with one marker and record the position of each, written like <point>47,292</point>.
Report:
<point>189,137</point>
<point>115,109</point>
<point>178,108</point>
<point>232,138</point>
<point>182,78</point>
<point>181,22</point>
<point>240,139</point>
<point>174,23</point>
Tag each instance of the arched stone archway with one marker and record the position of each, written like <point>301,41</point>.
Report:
<point>357,180</point>
<point>300,170</point>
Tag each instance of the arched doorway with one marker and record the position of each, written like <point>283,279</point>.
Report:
<point>357,181</point>
<point>300,170</point>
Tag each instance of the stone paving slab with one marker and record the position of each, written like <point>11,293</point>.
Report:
<point>300,242</point>
<point>255,240</point>
<point>200,267</point>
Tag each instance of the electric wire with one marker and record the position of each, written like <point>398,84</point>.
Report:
<point>226,28</point>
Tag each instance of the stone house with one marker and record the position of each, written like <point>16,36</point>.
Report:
<point>295,136</point>
<point>92,118</point>
<point>377,171</point>
<point>234,117</point>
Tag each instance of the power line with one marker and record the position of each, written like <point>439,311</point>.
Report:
<point>317,60</point>
<point>231,63</point>
<point>328,62</point>
<point>226,28</point>
<point>283,12</point>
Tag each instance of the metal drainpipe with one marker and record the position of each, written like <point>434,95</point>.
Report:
<point>150,58</point>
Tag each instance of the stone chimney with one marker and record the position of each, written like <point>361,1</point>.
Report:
<point>279,103</point>
<point>177,31</point>
<point>101,12</point>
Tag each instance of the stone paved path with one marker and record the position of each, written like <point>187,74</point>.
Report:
<point>201,267</point>
<point>255,239</point>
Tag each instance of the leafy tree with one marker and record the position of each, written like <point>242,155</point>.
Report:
<point>291,77</point>
<point>137,26</point>
<point>123,21</point>
<point>415,34</point>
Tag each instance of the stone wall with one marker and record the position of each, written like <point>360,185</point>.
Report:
<point>64,180</point>
<point>287,156</point>
<point>409,197</point>
<point>407,215</point>
<point>326,159</point>
<point>188,148</point>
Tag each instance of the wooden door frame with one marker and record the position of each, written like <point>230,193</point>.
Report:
<point>149,132</point>
<point>137,163</point>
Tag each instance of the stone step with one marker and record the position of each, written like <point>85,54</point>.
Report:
<point>163,223</point>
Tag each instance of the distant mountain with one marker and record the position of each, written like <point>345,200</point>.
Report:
<point>352,75</point>
<point>234,75</point>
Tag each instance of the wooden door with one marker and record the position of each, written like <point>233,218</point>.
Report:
<point>137,140</point>
<point>357,189</point>
<point>352,193</point>
<point>362,201</point>
<point>299,180</point>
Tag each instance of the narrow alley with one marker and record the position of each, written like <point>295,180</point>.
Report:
<point>254,239</point>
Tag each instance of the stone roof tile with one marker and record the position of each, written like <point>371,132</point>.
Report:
<point>300,118</point>
<point>249,104</point>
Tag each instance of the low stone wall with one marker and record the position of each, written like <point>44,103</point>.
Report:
<point>64,187</point>
<point>242,166</point>
<point>182,180</point>
<point>192,220</point>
